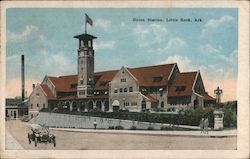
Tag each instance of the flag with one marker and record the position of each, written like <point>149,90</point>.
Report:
<point>88,20</point>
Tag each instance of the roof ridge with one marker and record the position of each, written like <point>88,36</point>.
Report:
<point>151,66</point>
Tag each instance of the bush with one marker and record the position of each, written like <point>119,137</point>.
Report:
<point>133,128</point>
<point>111,127</point>
<point>150,128</point>
<point>119,127</point>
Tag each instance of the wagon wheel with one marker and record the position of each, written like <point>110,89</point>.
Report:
<point>36,142</point>
<point>29,138</point>
<point>54,142</point>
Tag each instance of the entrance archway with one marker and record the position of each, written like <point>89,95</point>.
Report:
<point>82,106</point>
<point>106,106</point>
<point>74,106</point>
<point>116,106</point>
<point>196,103</point>
<point>67,106</point>
<point>143,105</point>
<point>99,105</point>
<point>90,105</point>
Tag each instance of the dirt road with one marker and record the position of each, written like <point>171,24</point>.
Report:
<point>98,141</point>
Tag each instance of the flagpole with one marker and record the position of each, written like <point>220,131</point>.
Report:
<point>85,25</point>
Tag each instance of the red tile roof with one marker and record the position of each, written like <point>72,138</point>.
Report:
<point>48,93</point>
<point>184,82</point>
<point>151,99</point>
<point>206,96</point>
<point>103,78</point>
<point>144,75</point>
<point>147,76</point>
<point>63,83</point>
<point>91,97</point>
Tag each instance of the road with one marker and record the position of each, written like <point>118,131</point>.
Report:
<point>100,141</point>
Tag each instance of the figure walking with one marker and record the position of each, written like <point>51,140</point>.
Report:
<point>206,124</point>
<point>95,123</point>
<point>202,125</point>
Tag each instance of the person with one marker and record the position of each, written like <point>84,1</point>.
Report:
<point>206,124</point>
<point>202,125</point>
<point>95,123</point>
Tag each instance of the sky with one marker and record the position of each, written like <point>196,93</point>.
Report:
<point>45,37</point>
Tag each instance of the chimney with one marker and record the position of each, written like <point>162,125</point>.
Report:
<point>23,80</point>
<point>33,86</point>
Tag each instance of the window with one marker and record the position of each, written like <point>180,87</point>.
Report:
<point>180,88</point>
<point>157,79</point>
<point>125,90</point>
<point>31,106</point>
<point>162,104</point>
<point>73,85</point>
<point>134,103</point>
<point>161,93</point>
<point>115,91</point>
<point>82,92</point>
<point>37,94</point>
<point>37,105</point>
<point>130,89</point>
<point>120,89</point>
<point>123,79</point>
<point>126,104</point>
<point>43,105</point>
<point>81,81</point>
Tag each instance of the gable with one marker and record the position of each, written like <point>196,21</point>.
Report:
<point>182,84</point>
<point>199,86</point>
<point>123,76</point>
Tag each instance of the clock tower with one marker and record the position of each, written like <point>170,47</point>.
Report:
<point>85,67</point>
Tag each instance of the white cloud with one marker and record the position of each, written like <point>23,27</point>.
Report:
<point>24,35</point>
<point>184,63</point>
<point>104,45</point>
<point>218,53</point>
<point>102,23</point>
<point>175,42</point>
<point>214,23</point>
<point>149,35</point>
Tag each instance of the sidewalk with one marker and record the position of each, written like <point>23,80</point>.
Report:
<point>225,133</point>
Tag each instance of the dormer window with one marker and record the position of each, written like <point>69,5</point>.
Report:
<point>103,83</point>
<point>157,79</point>
<point>180,88</point>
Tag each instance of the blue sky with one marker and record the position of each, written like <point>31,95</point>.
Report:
<point>45,37</point>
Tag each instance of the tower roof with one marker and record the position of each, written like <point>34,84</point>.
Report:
<point>85,37</point>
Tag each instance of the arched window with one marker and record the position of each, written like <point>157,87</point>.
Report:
<point>162,104</point>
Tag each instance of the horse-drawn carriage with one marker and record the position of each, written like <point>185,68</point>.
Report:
<point>41,134</point>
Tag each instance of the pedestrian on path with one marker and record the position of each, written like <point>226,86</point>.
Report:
<point>202,125</point>
<point>95,123</point>
<point>206,124</point>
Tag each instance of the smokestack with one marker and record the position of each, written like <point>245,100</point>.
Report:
<point>33,86</point>
<point>23,80</point>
